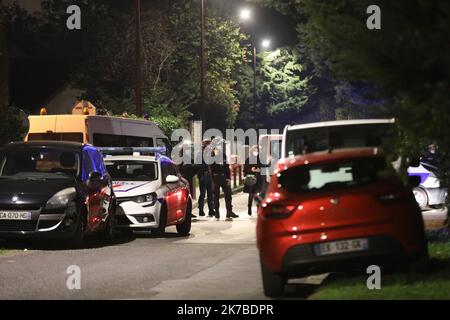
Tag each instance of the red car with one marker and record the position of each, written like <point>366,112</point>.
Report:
<point>336,210</point>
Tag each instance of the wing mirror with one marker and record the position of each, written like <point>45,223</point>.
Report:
<point>414,181</point>
<point>95,180</point>
<point>172,179</point>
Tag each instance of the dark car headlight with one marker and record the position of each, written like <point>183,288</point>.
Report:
<point>61,199</point>
<point>146,198</point>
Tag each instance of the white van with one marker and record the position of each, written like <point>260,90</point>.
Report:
<point>319,136</point>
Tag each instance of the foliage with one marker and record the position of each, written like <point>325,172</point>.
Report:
<point>282,88</point>
<point>102,54</point>
<point>11,128</point>
<point>406,62</point>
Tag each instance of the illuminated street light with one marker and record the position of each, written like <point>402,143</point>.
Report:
<point>246,14</point>
<point>266,43</point>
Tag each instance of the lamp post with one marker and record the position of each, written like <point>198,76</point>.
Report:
<point>138,88</point>
<point>202,66</point>
<point>265,45</point>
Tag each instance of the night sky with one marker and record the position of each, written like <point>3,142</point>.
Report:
<point>265,23</point>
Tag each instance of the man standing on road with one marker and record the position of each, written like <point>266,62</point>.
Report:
<point>187,170</point>
<point>221,174</point>
<point>205,181</point>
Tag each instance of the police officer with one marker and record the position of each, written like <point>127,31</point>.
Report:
<point>431,157</point>
<point>221,174</point>
<point>187,170</point>
<point>205,181</point>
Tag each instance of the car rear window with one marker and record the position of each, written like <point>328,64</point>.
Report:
<point>335,175</point>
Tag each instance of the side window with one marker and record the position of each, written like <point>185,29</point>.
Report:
<point>110,140</point>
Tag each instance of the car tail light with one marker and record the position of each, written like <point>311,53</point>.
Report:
<point>278,211</point>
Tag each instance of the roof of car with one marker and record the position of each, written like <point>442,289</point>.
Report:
<point>130,158</point>
<point>76,146</point>
<point>332,155</point>
<point>339,123</point>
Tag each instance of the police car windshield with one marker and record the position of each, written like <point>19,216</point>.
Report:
<point>132,170</point>
<point>39,163</point>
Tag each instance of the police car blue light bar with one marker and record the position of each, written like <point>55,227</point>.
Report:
<point>128,150</point>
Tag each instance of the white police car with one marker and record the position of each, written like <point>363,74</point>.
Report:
<point>151,194</point>
<point>429,194</point>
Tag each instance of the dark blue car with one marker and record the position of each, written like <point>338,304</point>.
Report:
<point>55,190</point>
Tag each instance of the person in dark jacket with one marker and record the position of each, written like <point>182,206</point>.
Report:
<point>188,170</point>
<point>206,189</point>
<point>253,178</point>
<point>431,158</point>
<point>221,174</point>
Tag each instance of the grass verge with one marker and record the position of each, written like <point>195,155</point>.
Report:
<point>398,286</point>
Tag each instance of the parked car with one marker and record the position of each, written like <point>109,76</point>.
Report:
<point>429,194</point>
<point>55,190</point>
<point>151,193</point>
<point>333,210</point>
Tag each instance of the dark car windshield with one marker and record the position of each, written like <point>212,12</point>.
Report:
<point>39,163</point>
<point>335,175</point>
<point>339,137</point>
<point>132,170</point>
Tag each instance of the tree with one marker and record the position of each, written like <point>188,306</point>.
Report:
<point>283,89</point>
<point>171,40</point>
<point>406,62</point>
<point>4,62</point>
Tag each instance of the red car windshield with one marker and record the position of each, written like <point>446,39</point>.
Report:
<point>335,175</point>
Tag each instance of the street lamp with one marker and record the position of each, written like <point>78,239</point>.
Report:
<point>266,43</point>
<point>246,14</point>
<point>202,66</point>
<point>138,89</point>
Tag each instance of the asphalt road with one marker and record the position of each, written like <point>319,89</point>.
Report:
<point>219,260</point>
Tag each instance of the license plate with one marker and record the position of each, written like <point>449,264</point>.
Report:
<point>15,215</point>
<point>341,246</point>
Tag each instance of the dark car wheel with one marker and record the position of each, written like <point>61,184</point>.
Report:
<point>185,227</point>
<point>109,232</point>
<point>161,230</point>
<point>78,238</point>
<point>273,283</point>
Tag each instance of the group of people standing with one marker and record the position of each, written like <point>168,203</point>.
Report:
<point>216,177</point>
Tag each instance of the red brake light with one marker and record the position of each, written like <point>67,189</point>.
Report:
<point>278,211</point>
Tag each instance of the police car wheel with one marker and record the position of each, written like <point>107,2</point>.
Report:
<point>421,197</point>
<point>185,227</point>
<point>161,230</point>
